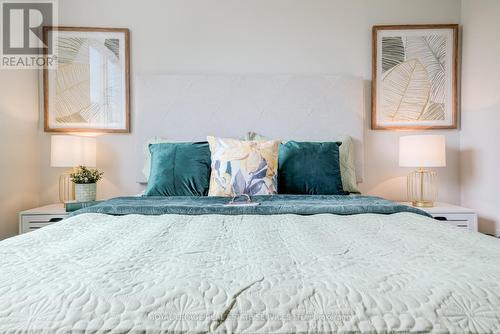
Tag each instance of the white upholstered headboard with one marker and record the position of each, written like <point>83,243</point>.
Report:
<point>300,107</point>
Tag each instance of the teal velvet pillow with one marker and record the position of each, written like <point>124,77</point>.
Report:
<point>307,168</point>
<point>179,169</point>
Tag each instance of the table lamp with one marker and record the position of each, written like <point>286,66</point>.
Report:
<point>423,151</point>
<point>70,152</point>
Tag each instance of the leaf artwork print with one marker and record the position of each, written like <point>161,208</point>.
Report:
<point>393,52</point>
<point>84,65</point>
<point>413,79</point>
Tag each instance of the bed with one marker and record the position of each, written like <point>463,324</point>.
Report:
<point>292,264</point>
<point>343,264</point>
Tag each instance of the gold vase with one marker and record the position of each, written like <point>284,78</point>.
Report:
<point>422,188</point>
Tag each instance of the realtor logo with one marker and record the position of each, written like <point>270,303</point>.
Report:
<point>22,34</point>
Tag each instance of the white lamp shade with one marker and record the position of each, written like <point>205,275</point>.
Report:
<point>422,151</point>
<point>72,151</point>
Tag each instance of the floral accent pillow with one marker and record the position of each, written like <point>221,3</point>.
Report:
<point>243,167</point>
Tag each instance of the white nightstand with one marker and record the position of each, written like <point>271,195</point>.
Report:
<point>33,219</point>
<point>452,214</point>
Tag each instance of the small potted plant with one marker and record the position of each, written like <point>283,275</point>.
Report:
<point>85,180</point>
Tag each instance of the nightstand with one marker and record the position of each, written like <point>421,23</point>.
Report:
<point>452,214</point>
<point>34,219</point>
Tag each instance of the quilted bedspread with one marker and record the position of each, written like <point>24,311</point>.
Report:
<point>250,274</point>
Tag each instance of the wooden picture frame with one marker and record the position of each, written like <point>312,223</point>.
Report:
<point>415,76</point>
<point>94,64</point>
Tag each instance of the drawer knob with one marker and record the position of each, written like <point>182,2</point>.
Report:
<point>55,220</point>
<point>441,218</point>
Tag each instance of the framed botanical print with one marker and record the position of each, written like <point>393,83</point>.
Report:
<point>88,88</point>
<point>414,84</point>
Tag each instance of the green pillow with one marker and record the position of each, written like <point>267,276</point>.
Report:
<point>346,157</point>
<point>309,168</point>
<point>179,169</point>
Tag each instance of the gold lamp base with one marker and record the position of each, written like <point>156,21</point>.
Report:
<point>66,187</point>
<point>423,204</point>
<point>422,188</point>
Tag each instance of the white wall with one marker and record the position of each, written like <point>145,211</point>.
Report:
<point>260,36</point>
<point>257,36</point>
<point>480,135</point>
<point>19,157</point>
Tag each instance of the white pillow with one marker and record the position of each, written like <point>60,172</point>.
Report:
<point>347,164</point>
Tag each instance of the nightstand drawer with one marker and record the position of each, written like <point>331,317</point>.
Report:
<point>458,223</point>
<point>34,219</point>
<point>452,215</point>
<point>34,226</point>
<point>462,220</point>
<point>34,222</point>
<point>41,219</point>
